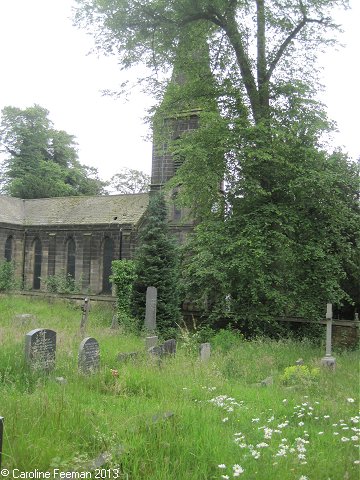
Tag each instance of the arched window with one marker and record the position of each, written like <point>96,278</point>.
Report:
<point>8,249</point>
<point>70,260</point>
<point>37,264</point>
<point>108,254</point>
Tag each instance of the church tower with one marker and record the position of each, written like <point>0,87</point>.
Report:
<point>187,94</point>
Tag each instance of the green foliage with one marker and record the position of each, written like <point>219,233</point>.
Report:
<point>129,180</point>
<point>123,276</point>
<point>157,265</point>
<point>62,283</point>
<point>7,280</point>
<point>299,375</point>
<point>226,339</point>
<point>41,161</point>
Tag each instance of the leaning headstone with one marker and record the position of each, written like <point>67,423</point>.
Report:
<point>328,360</point>
<point>150,342</point>
<point>85,315</point>
<point>169,347</point>
<point>1,436</point>
<point>150,311</point>
<point>89,356</point>
<point>205,350</point>
<point>267,382</point>
<point>40,349</point>
<point>299,362</point>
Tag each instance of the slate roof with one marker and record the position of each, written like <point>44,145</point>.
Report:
<point>79,210</point>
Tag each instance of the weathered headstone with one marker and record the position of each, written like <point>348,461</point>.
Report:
<point>150,342</point>
<point>157,351</point>
<point>40,349</point>
<point>114,323</point>
<point>328,360</point>
<point>125,357</point>
<point>89,356</point>
<point>1,436</point>
<point>24,318</point>
<point>150,311</point>
<point>169,347</point>
<point>205,350</point>
<point>85,315</point>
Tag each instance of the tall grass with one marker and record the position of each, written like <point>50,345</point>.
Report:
<point>220,417</point>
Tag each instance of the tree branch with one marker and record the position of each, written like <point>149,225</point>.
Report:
<point>289,39</point>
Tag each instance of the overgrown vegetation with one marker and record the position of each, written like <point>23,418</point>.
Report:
<point>123,277</point>
<point>222,421</point>
<point>157,265</point>
<point>7,280</point>
<point>62,283</point>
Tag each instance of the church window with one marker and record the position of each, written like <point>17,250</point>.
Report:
<point>8,249</point>
<point>71,257</point>
<point>37,264</point>
<point>108,254</point>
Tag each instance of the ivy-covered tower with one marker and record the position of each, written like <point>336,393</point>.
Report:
<point>187,94</point>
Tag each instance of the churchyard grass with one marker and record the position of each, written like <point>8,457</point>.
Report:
<point>180,419</point>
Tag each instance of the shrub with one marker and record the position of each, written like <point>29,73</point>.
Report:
<point>62,283</point>
<point>123,276</point>
<point>7,281</point>
<point>299,374</point>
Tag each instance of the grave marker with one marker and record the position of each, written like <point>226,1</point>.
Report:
<point>150,342</point>
<point>85,315</point>
<point>169,347</point>
<point>150,311</point>
<point>40,349</point>
<point>205,350</point>
<point>328,360</point>
<point>89,356</point>
<point>1,436</point>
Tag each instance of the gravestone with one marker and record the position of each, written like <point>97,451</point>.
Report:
<point>114,323</point>
<point>328,360</point>
<point>1,436</point>
<point>150,311</point>
<point>169,347</point>
<point>157,351</point>
<point>40,349</point>
<point>24,318</point>
<point>125,357</point>
<point>89,356</point>
<point>205,350</point>
<point>85,315</point>
<point>150,342</point>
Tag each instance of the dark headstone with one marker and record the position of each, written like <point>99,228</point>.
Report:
<point>169,347</point>
<point>40,349</point>
<point>150,312</point>
<point>1,436</point>
<point>125,357</point>
<point>89,356</point>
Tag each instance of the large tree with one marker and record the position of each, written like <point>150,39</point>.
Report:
<point>129,180</point>
<point>282,238</point>
<point>39,160</point>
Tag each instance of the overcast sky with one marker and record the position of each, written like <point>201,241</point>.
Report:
<point>44,60</point>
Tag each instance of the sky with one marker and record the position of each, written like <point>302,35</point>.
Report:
<point>45,60</point>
